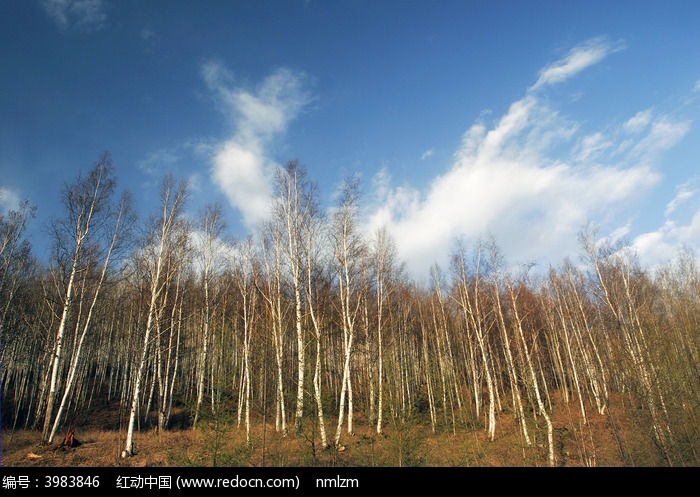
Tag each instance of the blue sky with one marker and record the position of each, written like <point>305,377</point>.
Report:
<point>521,120</point>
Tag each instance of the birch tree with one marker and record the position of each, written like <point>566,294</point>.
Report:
<point>123,217</point>
<point>314,280</point>
<point>534,382</point>
<point>246,282</point>
<point>496,264</point>
<point>211,228</point>
<point>615,274</point>
<point>383,258</point>
<point>15,254</point>
<point>158,244</point>
<point>86,202</point>
<point>469,299</point>
<point>272,254</point>
<point>294,209</point>
<point>349,250</point>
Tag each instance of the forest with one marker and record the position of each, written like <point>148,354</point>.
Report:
<point>311,330</point>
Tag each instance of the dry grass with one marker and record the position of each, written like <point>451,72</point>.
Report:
<point>599,443</point>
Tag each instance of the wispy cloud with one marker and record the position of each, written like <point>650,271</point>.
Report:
<point>242,166</point>
<point>9,199</point>
<point>530,179</point>
<point>177,160</point>
<point>428,153</point>
<point>86,15</point>
<point>592,146</point>
<point>663,134</point>
<point>638,122</point>
<point>159,162</point>
<point>579,58</point>
<point>684,193</point>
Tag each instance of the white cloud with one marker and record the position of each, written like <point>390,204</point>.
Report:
<point>592,146</point>
<point>84,15</point>
<point>696,88</point>
<point>9,199</point>
<point>619,234</point>
<point>684,194</point>
<point>242,172</point>
<point>638,122</point>
<point>664,134</point>
<point>428,153</point>
<point>381,183</point>
<point>681,228</point>
<point>241,165</point>
<point>658,247</point>
<point>529,181</point>
<point>579,58</point>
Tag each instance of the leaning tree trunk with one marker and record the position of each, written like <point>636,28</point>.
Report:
<point>58,349</point>
<point>533,379</point>
<point>86,327</point>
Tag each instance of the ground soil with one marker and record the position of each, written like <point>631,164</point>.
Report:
<point>612,439</point>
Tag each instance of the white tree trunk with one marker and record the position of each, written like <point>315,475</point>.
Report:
<point>86,327</point>
<point>204,350</point>
<point>58,348</point>
<point>301,362</point>
<point>168,220</point>
<point>533,379</point>
<point>129,446</point>
<point>515,389</point>
<point>317,395</point>
<point>343,391</point>
<point>380,374</point>
<point>317,368</point>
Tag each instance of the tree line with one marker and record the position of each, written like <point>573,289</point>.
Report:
<point>314,323</point>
